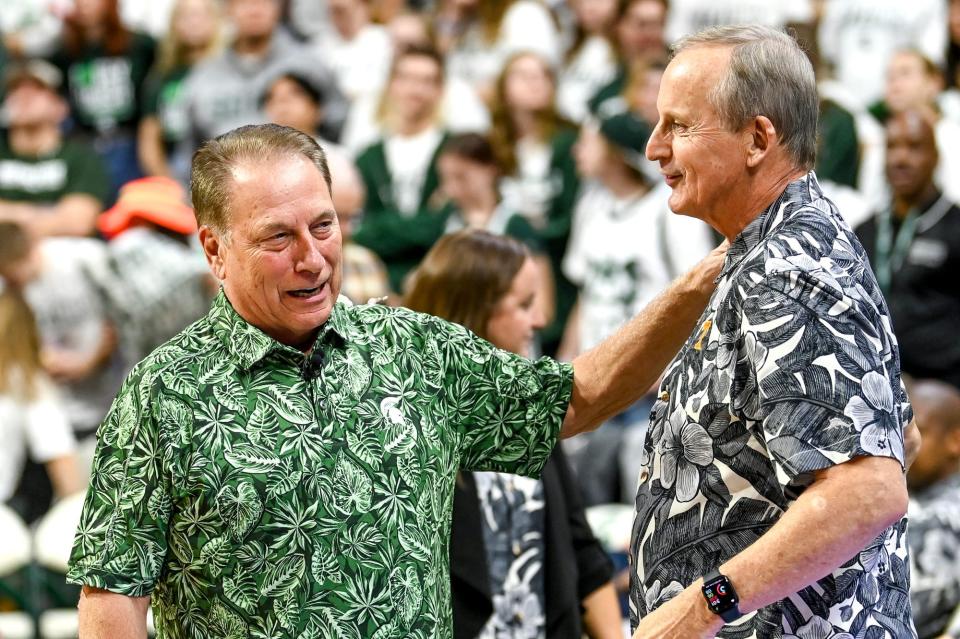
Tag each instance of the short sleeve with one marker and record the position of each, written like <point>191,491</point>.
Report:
<point>121,542</point>
<point>507,409</point>
<point>818,368</point>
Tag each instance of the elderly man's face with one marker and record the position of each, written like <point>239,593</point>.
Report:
<point>699,158</point>
<point>280,264</point>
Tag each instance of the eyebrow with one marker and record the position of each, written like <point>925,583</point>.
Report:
<point>270,228</point>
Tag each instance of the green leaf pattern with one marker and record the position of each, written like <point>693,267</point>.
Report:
<point>249,502</point>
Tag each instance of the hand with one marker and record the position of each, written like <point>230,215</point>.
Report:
<point>686,616</point>
<point>709,267</point>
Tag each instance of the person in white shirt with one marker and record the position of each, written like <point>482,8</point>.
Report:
<point>356,50</point>
<point>690,16</point>
<point>477,37</point>
<point>858,37</point>
<point>591,61</point>
<point>32,419</point>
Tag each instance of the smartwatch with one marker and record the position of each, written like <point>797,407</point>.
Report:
<point>721,597</point>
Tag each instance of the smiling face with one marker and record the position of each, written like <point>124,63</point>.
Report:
<point>280,261</point>
<point>703,163</point>
<point>528,84</point>
<point>517,315</point>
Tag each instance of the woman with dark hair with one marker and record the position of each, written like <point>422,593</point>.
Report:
<point>534,146</point>
<point>105,65</point>
<point>541,572</point>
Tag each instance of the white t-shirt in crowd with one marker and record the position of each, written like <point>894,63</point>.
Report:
<point>623,252</point>
<point>360,65</point>
<point>529,191</point>
<point>690,16</point>
<point>526,26</point>
<point>408,159</point>
<point>592,68</point>
<point>38,426</point>
<point>858,37</point>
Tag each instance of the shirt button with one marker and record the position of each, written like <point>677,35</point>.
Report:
<point>516,549</point>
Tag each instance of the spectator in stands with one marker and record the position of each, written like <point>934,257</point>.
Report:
<point>690,16</point>
<point>524,562</point>
<point>934,512</point>
<point>356,50</point>
<point>950,99</point>
<point>469,178</point>
<point>30,28</point>
<point>31,417</point>
<point>401,220</point>
<point>640,40</point>
<point>223,92</point>
<point>105,66</point>
<point>296,99</point>
<point>62,279</point>
<point>625,248</point>
<point>915,82</point>
<point>914,248</point>
<point>461,109</point>
<point>51,185</point>
<point>857,38</point>
<point>479,36</point>
<point>364,274</point>
<point>158,278</point>
<point>164,133</point>
<point>533,145</point>
<point>590,62</point>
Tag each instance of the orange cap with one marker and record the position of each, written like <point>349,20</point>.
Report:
<point>159,200</point>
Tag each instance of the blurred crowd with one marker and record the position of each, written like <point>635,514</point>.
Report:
<point>525,118</point>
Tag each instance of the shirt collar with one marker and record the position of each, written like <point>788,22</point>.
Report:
<point>801,191</point>
<point>246,344</point>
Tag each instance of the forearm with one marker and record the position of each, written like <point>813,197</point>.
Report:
<point>107,615</point>
<point>150,149</point>
<point>832,521</point>
<point>74,215</point>
<point>601,616</point>
<point>610,377</point>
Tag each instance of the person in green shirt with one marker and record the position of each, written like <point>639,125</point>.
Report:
<point>47,184</point>
<point>285,466</point>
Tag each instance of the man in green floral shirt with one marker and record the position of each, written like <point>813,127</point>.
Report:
<point>285,466</point>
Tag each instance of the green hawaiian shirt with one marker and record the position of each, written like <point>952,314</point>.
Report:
<point>251,502</point>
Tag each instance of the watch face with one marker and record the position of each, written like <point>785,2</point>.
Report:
<point>720,595</point>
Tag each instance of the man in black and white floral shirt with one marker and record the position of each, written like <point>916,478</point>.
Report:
<point>774,463</point>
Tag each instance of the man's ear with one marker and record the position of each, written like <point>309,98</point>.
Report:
<point>213,245</point>
<point>760,135</point>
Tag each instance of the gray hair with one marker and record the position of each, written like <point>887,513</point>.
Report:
<point>769,75</point>
<point>211,176</point>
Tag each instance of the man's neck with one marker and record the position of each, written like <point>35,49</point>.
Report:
<point>35,141</point>
<point>903,204</point>
<point>760,194</point>
<point>253,46</point>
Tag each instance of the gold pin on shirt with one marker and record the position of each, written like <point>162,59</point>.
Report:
<point>704,331</point>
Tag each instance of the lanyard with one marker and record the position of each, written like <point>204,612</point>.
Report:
<point>891,251</point>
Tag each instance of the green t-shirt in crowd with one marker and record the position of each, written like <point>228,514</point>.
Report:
<point>72,168</point>
<point>105,91</point>
<point>252,499</point>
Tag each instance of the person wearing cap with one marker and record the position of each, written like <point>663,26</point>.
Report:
<point>625,247</point>
<point>51,185</point>
<point>159,281</point>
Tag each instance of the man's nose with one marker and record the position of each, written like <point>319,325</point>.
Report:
<point>309,257</point>
<point>657,147</point>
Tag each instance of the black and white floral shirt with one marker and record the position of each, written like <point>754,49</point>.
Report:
<point>793,368</point>
<point>935,554</point>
